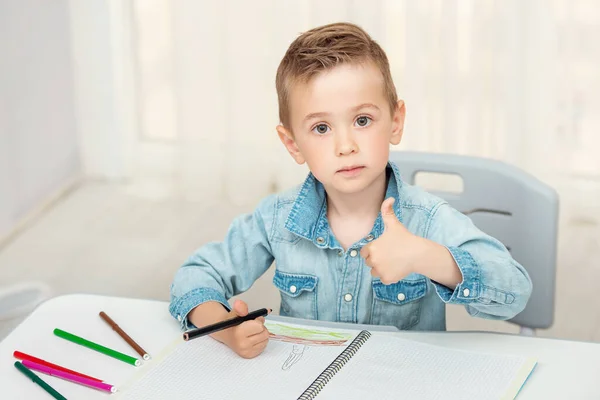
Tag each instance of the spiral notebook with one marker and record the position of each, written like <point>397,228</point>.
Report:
<point>304,362</point>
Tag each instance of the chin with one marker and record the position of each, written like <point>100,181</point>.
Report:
<point>351,186</point>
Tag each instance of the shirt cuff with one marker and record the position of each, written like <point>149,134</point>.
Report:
<point>180,307</point>
<point>468,290</point>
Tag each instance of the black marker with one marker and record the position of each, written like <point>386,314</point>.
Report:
<point>219,326</point>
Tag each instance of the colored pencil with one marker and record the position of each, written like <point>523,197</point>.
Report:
<point>94,346</point>
<point>39,381</point>
<point>69,377</point>
<point>23,356</point>
<point>207,330</point>
<point>125,336</point>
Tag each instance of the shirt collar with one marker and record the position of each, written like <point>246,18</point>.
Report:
<point>308,216</point>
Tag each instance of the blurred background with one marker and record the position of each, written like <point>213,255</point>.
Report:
<point>133,131</point>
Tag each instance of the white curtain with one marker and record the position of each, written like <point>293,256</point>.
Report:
<point>513,80</point>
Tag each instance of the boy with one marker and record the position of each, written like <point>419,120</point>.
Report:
<point>354,243</point>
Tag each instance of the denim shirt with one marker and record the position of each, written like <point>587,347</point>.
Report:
<point>318,279</point>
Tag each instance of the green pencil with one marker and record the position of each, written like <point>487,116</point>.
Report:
<point>31,375</point>
<point>99,348</point>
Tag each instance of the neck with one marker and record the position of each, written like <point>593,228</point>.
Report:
<point>362,204</point>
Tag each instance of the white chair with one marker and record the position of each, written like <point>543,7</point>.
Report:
<point>510,205</point>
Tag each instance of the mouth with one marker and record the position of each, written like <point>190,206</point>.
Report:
<point>351,169</point>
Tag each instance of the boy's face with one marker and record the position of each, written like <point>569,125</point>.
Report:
<point>341,126</point>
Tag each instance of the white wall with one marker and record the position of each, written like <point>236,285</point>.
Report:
<point>472,88</point>
<point>100,36</point>
<point>38,141</point>
<point>513,80</point>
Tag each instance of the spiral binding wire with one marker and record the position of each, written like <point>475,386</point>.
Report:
<point>333,368</point>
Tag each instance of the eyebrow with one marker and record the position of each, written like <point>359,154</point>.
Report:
<point>365,105</point>
<point>354,109</point>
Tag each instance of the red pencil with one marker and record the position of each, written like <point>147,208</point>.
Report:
<point>23,356</point>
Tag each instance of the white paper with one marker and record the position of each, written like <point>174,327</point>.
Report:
<point>388,367</point>
<point>206,369</point>
<point>385,367</point>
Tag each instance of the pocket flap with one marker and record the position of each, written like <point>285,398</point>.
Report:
<point>294,284</point>
<point>401,292</point>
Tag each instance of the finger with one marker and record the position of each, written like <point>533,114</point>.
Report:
<point>364,252</point>
<point>251,328</point>
<point>259,347</point>
<point>256,330</point>
<point>387,212</point>
<point>261,337</point>
<point>261,320</point>
<point>371,261</point>
<point>240,308</point>
<point>262,342</point>
<point>386,207</point>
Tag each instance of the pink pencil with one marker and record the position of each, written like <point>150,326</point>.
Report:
<point>69,377</point>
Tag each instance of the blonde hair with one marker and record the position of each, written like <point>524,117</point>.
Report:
<point>324,48</point>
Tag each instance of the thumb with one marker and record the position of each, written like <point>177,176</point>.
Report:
<point>240,308</point>
<point>387,212</point>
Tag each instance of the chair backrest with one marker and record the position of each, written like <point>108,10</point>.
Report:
<point>508,204</point>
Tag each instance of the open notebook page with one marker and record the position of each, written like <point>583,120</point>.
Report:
<point>388,367</point>
<point>206,369</point>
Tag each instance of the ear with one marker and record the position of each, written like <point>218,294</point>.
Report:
<point>288,141</point>
<point>398,122</point>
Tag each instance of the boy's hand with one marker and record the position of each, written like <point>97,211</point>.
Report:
<point>397,252</point>
<point>249,338</point>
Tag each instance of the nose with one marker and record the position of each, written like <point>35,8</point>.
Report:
<point>345,143</point>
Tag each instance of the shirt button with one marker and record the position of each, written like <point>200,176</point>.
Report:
<point>348,297</point>
<point>466,292</point>
<point>320,240</point>
<point>401,296</point>
<point>293,289</point>
<point>370,238</point>
<point>340,253</point>
<point>353,253</point>
<point>179,318</point>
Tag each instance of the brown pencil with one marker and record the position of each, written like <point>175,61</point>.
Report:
<point>125,336</point>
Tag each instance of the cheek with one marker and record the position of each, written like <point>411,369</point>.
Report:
<point>318,167</point>
<point>376,143</point>
<point>312,151</point>
<point>381,155</point>
<point>377,150</point>
<point>317,155</point>
<point>314,147</point>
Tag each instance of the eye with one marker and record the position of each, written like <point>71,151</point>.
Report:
<point>321,129</point>
<point>363,121</point>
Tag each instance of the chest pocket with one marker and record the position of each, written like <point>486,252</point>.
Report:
<point>298,294</point>
<point>398,304</point>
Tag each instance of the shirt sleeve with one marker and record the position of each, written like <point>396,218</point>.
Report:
<point>220,270</point>
<point>494,285</point>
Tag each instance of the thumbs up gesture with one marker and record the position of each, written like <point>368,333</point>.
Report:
<point>397,252</point>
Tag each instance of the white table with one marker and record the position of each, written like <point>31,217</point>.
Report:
<point>566,369</point>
